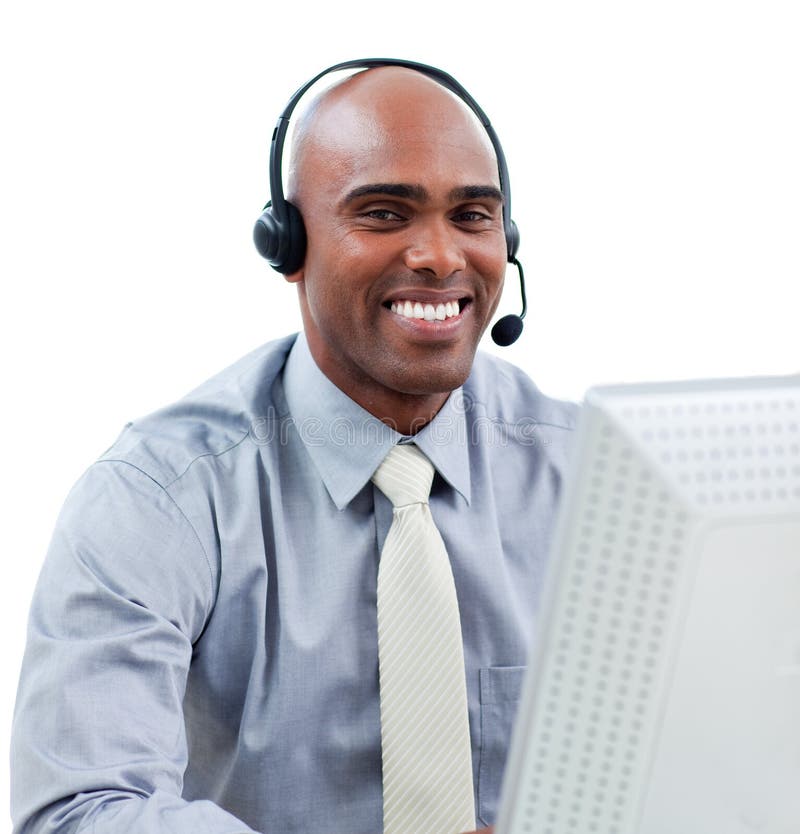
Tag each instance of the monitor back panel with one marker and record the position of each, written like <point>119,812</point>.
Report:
<point>664,689</point>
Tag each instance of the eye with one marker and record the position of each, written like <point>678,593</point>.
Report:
<point>471,216</point>
<point>383,215</point>
<point>475,217</point>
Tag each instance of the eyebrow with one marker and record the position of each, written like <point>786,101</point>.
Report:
<point>476,192</point>
<point>389,189</point>
<point>420,194</point>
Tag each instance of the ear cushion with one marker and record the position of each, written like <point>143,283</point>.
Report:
<point>295,252</point>
<point>282,243</point>
<point>266,234</point>
<point>512,240</point>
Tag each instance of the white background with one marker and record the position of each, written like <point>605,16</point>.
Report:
<point>653,151</point>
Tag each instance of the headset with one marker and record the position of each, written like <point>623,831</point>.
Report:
<point>280,235</point>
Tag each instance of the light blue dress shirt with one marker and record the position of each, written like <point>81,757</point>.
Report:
<point>202,649</point>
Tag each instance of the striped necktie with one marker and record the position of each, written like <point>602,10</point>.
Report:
<point>427,760</point>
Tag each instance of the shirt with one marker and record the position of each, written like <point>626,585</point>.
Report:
<point>202,647</point>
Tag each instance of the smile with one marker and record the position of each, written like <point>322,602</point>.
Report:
<point>423,310</point>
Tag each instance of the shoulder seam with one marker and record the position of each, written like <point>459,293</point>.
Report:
<point>177,506</point>
<point>555,425</point>
<point>194,460</point>
<point>564,426</point>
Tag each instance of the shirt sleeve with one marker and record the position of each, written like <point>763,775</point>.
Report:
<point>98,738</point>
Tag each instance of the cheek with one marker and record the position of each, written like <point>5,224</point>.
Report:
<point>493,267</point>
<point>344,276</point>
<point>333,252</point>
<point>333,298</point>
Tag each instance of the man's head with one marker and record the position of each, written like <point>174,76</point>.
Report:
<point>398,186</point>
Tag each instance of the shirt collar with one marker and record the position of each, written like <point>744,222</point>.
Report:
<point>347,444</point>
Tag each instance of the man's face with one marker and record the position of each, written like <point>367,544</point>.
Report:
<point>404,217</point>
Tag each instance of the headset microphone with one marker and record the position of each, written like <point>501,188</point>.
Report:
<point>280,236</point>
<point>507,330</point>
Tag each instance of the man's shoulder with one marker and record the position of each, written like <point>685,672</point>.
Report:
<point>209,420</point>
<point>501,391</point>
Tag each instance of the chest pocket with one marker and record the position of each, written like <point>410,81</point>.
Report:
<point>500,688</point>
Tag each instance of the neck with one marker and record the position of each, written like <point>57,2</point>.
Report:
<point>405,412</point>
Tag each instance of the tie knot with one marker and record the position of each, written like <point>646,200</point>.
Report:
<point>405,476</point>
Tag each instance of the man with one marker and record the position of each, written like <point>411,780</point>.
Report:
<point>203,647</point>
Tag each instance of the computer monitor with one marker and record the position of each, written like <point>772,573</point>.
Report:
<point>663,691</point>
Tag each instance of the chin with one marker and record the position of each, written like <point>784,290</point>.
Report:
<point>439,378</point>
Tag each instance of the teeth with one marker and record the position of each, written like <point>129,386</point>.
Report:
<point>429,312</point>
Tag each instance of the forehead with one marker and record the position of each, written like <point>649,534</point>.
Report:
<point>405,128</point>
<point>440,158</point>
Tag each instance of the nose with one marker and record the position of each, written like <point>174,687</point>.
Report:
<point>435,249</point>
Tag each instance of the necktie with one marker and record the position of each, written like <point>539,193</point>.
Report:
<point>427,760</point>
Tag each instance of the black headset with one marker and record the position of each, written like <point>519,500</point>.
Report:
<point>280,235</point>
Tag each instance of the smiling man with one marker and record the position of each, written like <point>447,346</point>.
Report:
<point>403,211</point>
<point>211,639</point>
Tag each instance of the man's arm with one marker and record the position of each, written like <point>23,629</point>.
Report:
<point>98,731</point>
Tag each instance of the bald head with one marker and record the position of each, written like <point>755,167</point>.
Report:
<point>376,110</point>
